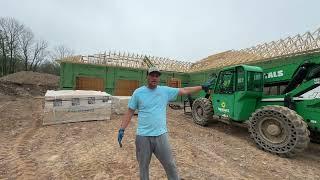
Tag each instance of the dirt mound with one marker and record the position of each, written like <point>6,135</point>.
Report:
<point>27,83</point>
<point>29,77</point>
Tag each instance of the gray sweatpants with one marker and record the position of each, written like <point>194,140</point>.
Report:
<point>159,145</point>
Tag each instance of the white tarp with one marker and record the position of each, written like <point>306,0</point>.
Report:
<point>51,94</point>
<point>76,105</point>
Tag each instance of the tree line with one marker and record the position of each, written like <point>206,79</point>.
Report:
<point>21,50</point>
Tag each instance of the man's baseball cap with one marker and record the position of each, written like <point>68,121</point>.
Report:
<point>153,69</point>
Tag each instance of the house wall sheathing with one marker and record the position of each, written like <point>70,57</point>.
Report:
<point>110,75</point>
<point>69,72</point>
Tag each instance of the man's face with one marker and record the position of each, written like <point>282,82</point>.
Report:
<point>153,79</point>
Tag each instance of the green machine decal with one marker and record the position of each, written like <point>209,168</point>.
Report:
<point>223,108</point>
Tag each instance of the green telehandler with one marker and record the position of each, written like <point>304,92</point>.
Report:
<point>278,105</point>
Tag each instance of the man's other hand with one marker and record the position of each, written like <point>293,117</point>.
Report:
<point>206,86</point>
<point>120,136</point>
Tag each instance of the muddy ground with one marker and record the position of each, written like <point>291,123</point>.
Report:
<point>89,150</point>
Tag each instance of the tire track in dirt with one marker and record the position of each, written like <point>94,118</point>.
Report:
<point>6,160</point>
<point>8,166</point>
<point>26,166</point>
<point>198,145</point>
<point>3,106</point>
<point>5,147</point>
<point>87,158</point>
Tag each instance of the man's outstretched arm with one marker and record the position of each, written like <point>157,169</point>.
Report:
<point>189,90</point>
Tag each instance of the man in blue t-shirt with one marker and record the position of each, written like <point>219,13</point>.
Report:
<point>151,136</point>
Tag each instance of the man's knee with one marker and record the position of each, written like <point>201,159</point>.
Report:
<point>169,164</point>
<point>144,165</point>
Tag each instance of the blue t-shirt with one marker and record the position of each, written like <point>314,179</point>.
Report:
<point>152,108</point>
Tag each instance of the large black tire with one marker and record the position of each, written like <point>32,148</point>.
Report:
<point>202,111</point>
<point>279,130</point>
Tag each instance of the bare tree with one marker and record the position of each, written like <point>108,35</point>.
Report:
<point>60,52</point>
<point>11,30</point>
<point>57,53</point>
<point>3,53</point>
<point>26,42</point>
<point>39,54</point>
<point>33,52</point>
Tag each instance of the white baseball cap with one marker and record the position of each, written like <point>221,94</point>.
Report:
<point>153,69</point>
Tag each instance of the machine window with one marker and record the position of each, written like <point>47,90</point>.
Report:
<point>240,79</point>
<point>255,81</point>
<point>225,83</point>
<point>274,90</point>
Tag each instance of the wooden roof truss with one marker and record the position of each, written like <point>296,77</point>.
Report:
<point>290,46</point>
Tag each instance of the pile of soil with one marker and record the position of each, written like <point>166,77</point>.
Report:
<point>28,83</point>
<point>29,77</point>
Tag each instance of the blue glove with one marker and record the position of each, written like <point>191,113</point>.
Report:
<point>120,136</point>
<point>206,86</point>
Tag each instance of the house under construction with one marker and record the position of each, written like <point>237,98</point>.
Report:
<point>121,73</point>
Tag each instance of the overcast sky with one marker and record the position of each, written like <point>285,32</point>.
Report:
<point>187,30</point>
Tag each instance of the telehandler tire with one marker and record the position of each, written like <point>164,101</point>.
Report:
<point>202,111</point>
<point>279,130</point>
